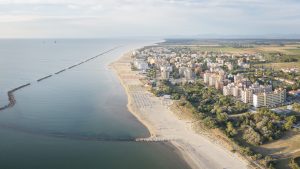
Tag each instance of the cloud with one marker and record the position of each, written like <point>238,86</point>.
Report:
<point>147,17</point>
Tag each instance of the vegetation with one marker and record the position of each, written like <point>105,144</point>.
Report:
<point>261,127</point>
<point>294,163</point>
<point>296,107</point>
<point>245,130</point>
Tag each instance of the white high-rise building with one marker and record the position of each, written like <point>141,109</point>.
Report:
<point>227,90</point>
<point>269,98</point>
<point>206,77</point>
<point>236,91</point>
<point>247,95</point>
<point>188,74</point>
<point>212,80</point>
<point>140,64</point>
<point>165,73</point>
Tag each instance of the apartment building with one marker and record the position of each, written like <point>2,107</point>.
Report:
<point>269,98</point>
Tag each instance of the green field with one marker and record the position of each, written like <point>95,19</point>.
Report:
<point>264,49</point>
<point>279,66</point>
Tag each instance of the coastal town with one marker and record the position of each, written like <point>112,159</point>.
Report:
<point>150,84</point>
<point>212,68</point>
<point>235,91</point>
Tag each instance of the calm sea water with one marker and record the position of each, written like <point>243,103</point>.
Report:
<point>57,123</point>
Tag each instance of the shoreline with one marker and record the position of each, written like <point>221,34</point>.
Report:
<point>199,152</point>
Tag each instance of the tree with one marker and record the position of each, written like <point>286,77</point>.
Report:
<point>293,164</point>
<point>296,107</point>
<point>210,122</point>
<point>231,131</point>
<point>251,136</point>
<point>222,117</point>
<point>290,120</point>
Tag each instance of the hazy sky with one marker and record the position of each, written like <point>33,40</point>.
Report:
<point>105,18</point>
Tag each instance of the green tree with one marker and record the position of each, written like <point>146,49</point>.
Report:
<point>210,122</point>
<point>222,117</point>
<point>290,120</point>
<point>231,131</point>
<point>293,164</point>
<point>251,136</point>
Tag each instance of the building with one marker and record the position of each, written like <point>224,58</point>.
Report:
<point>236,91</point>
<point>220,61</point>
<point>227,90</point>
<point>181,71</point>
<point>238,78</point>
<point>247,92</point>
<point>212,80</point>
<point>165,73</point>
<point>206,76</point>
<point>188,74</point>
<point>140,64</point>
<point>219,85</point>
<point>266,99</point>
<point>247,95</point>
<point>229,65</point>
<point>240,61</point>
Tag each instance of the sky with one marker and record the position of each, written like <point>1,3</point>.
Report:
<point>134,18</point>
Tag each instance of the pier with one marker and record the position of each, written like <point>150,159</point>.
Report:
<point>10,93</point>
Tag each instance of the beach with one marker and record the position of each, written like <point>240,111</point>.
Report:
<point>198,150</point>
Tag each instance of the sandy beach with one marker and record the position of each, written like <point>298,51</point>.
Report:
<point>199,151</point>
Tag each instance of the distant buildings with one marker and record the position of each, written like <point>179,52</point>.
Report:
<point>140,64</point>
<point>285,80</point>
<point>290,70</point>
<point>229,66</point>
<point>214,79</point>
<point>243,64</point>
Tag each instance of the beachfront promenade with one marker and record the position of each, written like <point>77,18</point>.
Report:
<point>197,150</point>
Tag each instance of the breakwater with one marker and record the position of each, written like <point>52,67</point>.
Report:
<point>43,78</point>
<point>80,136</point>
<point>11,98</point>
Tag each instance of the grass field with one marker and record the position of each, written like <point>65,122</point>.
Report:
<point>224,49</point>
<point>285,148</point>
<point>265,49</point>
<point>278,66</point>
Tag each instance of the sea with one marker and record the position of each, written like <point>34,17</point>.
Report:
<point>77,119</point>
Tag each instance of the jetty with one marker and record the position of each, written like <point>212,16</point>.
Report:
<point>11,97</point>
<point>78,136</point>
<point>10,93</point>
<point>60,71</point>
<point>154,139</point>
<point>43,78</point>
